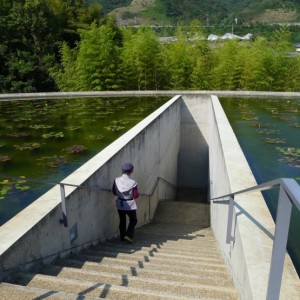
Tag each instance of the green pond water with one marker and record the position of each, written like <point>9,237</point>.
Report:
<point>49,139</point>
<point>268,131</point>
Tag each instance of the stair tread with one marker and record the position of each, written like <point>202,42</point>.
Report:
<point>154,261</point>
<point>163,251</point>
<point>140,267</point>
<point>9,291</point>
<point>112,291</point>
<point>119,253</point>
<point>135,275</point>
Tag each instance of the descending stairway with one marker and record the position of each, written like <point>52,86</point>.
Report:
<point>174,257</point>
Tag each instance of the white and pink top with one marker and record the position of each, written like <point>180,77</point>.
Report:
<point>126,190</point>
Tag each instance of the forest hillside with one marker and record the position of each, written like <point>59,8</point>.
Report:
<point>211,12</point>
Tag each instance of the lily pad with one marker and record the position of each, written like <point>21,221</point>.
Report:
<point>275,141</point>
<point>72,128</point>
<point>41,126</point>
<point>28,146</point>
<point>291,156</point>
<point>260,125</point>
<point>18,134</point>
<point>268,131</point>
<point>95,137</point>
<point>8,186</point>
<point>52,161</point>
<point>297,125</point>
<point>249,118</point>
<point>5,158</point>
<point>116,125</point>
<point>75,149</point>
<point>53,135</point>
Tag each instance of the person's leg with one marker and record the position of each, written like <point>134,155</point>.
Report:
<point>132,222</point>
<point>122,224</point>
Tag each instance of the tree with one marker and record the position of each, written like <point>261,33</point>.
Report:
<point>179,62</point>
<point>141,61</point>
<point>98,59</point>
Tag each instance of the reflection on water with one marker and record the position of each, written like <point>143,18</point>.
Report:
<point>268,131</point>
<point>49,139</point>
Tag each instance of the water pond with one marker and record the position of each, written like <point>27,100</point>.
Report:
<point>49,139</point>
<point>268,131</point>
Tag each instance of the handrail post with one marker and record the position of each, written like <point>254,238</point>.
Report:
<point>279,245</point>
<point>229,237</point>
<point>64,220</point>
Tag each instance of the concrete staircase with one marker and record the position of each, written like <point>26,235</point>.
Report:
<point>174,257</point>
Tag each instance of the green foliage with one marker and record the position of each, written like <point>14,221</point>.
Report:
<point>31,32</point>
<point>65,45</point>
<point>141,62</point>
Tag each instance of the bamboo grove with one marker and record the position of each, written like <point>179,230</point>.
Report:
<point>138,61</point>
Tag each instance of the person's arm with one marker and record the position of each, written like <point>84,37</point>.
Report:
<point>135,192</point>
<point>114,188</point>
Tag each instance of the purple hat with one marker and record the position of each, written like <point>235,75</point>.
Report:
<point>127,167</point>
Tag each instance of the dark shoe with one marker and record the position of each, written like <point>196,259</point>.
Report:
<point>128,239</point>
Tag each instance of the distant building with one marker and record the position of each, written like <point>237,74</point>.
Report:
<point>212,38</point>
<point>230,36</point>
<point>248,36</point>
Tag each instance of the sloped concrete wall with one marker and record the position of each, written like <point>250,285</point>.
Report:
<point>152,146</point>
<point>248,256</point>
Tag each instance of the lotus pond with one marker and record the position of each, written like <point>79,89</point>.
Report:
<point>268,131</point>
<point>49,139</point>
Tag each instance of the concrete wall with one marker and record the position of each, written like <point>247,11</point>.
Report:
<point>194,139</point>
<point>248,256</point>
<point>152,146</point>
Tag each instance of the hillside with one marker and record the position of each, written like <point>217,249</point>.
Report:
<point>209,12</point>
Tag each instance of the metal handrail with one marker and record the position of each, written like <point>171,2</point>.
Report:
<point>289,194</point>
<point>62,185</point>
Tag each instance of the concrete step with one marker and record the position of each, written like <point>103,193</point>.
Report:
<point>182,212</point>
<point>126,288</point>
<point>146,260</point>
<point>204,249</point>
<point>175,229</point>
<point>9,291</point>
<point>151,255</point>
<point>154,248</point>
<point>117,271</point>
<point>138,267</point>
<point>167,261</point>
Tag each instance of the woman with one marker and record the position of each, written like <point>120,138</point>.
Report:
<point>126,190</point>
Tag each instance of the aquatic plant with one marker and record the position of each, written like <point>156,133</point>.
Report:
<point>275,141</point>
<point>52,161</point>
<point>41,126</point>
<point>291,156</point>
<point>297,125</point>
<point>95,137</point>
<point>5,158</point>
<point>8,186</point>
<point>18,134</point>
<point>53,135</point>
<point>28,146</point>
<point>249,118</point>
<point>268,131</point>
<point>116,125</point>
<point>75,149</point>
<point>260,125</point>
<point>72,128</point>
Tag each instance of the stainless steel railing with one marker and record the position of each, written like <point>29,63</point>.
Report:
<point>289,194</point>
